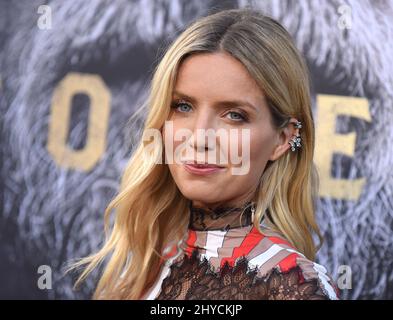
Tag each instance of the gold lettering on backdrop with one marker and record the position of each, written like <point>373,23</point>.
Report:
<point>94,87</point>
<point>329,142</point>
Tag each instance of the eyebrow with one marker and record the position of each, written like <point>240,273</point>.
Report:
<point>230,103</point>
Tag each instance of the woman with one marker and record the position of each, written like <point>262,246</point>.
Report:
<point>195,228</point>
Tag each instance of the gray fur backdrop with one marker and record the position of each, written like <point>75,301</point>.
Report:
<point>50,214</point>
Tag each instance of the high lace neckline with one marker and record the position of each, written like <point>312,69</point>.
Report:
<point>220,218</point>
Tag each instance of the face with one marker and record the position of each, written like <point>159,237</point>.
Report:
<point>215,91</point>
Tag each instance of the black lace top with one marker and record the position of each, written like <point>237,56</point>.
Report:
<point>223,256</point>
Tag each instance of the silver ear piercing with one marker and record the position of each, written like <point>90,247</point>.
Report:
<point>298,124</point>
<point>296,139</point>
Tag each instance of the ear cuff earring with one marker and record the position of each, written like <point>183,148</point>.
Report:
<point>296,139</point>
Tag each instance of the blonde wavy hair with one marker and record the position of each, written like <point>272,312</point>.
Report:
<point>150,211</point>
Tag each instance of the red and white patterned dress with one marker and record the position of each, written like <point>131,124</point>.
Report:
<point>231,259</point>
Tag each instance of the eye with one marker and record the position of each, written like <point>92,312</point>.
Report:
<point>236,116</point>
<point>181,106</point>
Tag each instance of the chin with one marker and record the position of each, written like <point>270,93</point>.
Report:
<point>206,195</point>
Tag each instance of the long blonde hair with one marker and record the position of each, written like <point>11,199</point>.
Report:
<point>150,211</point>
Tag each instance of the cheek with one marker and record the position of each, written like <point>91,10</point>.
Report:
<point>174,129</point>
<point>254,146</point>
<point>260,148</point>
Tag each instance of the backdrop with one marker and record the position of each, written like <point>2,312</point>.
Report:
<point>73,72</point>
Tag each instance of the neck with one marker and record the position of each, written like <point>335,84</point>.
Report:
<point>220,217</point>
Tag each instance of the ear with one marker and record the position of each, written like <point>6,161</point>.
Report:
<point>284,136</point>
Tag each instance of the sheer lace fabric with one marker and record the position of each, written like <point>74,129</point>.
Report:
<point>220,218</point>
<point>192,278</point>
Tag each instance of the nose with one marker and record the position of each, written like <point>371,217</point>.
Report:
<point>203,132</point>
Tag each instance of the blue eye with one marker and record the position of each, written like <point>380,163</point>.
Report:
<point>181,106</point>
<point>236,116</point>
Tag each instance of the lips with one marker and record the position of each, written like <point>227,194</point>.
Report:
<point>202,169</point>
<point>203,165</point>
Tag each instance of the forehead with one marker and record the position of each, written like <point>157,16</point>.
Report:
<point>217,76</point>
